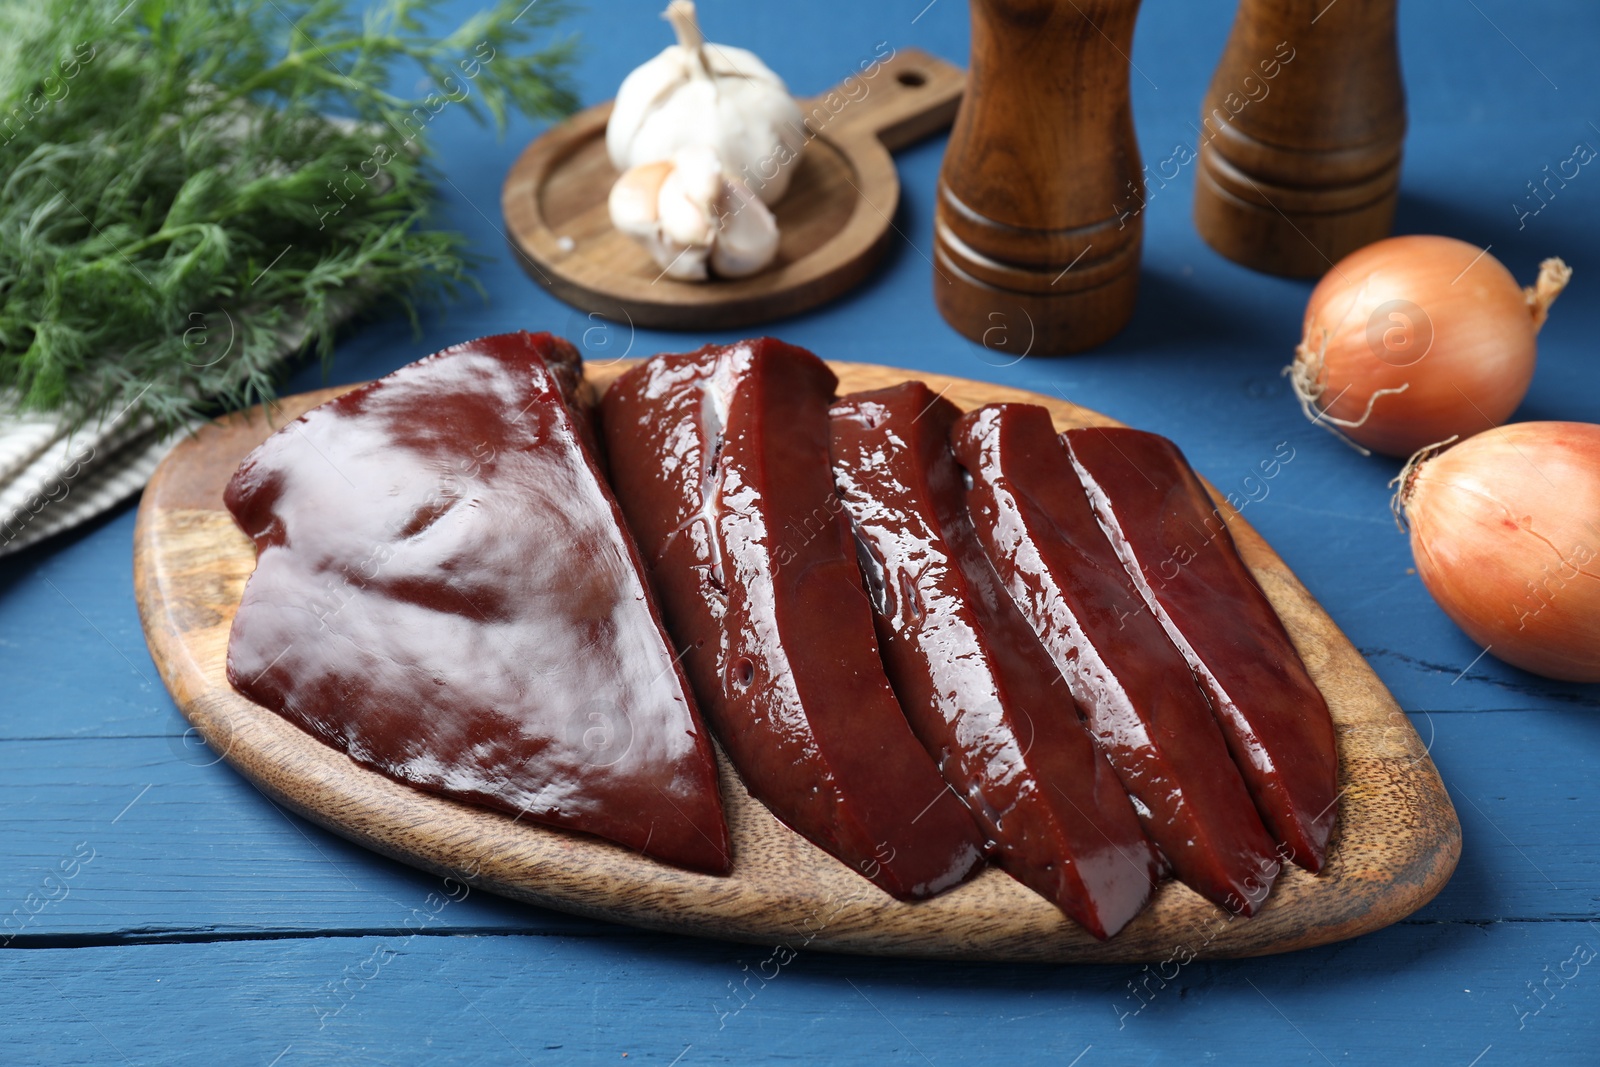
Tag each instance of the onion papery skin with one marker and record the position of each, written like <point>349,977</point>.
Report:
<point>1505,528</point>
<point>1389,316</point>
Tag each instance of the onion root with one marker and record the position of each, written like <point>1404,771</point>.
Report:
<point>1408,475</point>
<point>1310,383</point>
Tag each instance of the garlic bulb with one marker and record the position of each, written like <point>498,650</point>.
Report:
<point>695,219</point>
<point>717,96</point>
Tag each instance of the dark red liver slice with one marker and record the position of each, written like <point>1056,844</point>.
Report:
<point>976,684</point>
<point>1142,703</point>
<point>1177,548</point>
<point>720,458</point>
<point>445,590</point>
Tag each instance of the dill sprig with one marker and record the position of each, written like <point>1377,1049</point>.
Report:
<point>187,181</point>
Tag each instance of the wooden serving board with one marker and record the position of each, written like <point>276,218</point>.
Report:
<point>1396,844</point>
<point>834,220</point>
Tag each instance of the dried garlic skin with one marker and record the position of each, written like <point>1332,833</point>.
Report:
<point>699,94</point>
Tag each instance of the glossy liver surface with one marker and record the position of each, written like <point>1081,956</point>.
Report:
<point>1177,547</point>
<point>721,460</point>
<point>976,684</point>
<point>1143,706</point>
<point>445,590</point>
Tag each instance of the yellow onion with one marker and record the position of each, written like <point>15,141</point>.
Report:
<point>1414,339</point>
<point>1505,528</point>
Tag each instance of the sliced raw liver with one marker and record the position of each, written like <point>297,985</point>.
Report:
<point>976,684</point>
<point>720,458</point>
<point>445,590</point>
<point>1176,546</point>
<point>1143,706</point>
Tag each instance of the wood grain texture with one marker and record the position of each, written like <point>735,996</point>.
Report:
<point>1300,159</point>
<point>1397,842</point>
<point>1039,215</point>
<point>834,220</point>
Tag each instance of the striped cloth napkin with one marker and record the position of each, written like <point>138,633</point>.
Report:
<point>52,479</point>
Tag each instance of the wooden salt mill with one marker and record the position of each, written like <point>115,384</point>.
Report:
<point>1301,134</point>
<point>1038,224</point>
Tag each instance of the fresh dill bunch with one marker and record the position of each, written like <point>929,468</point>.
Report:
<point>186,182</point>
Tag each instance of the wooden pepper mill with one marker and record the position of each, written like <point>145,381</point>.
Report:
<point>1301,135</point>
<point>1038,225</point>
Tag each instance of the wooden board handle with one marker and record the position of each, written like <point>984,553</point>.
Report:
<point>900,98</point>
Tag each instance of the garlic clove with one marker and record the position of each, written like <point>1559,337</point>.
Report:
<point>748,240</point>
<point>634,199</point>
<point>688,202</point>
<point>686,263</point>
<point>693,218</point>
<point>634,205</point>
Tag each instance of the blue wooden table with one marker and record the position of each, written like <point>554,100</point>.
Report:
<point>171,914</point>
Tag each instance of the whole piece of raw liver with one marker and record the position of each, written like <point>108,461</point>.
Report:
<point>1176,545</point>
<point>446,591</point>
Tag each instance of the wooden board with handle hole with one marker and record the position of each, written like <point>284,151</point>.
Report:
<point>1395,846</point>
<point>835,220</point>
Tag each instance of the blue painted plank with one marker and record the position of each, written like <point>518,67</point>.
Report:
<point>184,846</point>
<point>1442,993</point>
<point>154,837</point>
<point>72,652</point>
